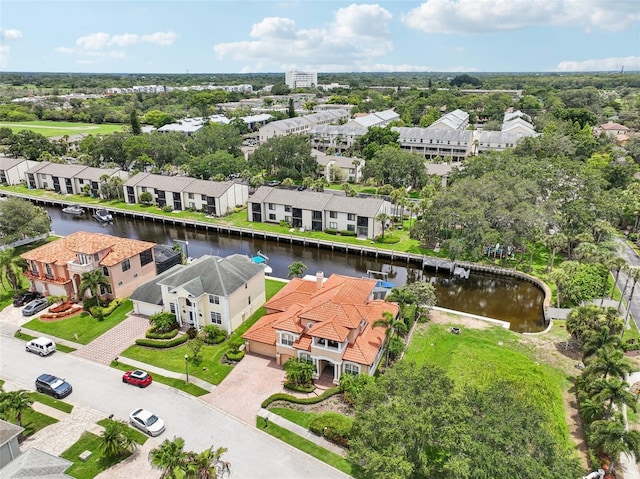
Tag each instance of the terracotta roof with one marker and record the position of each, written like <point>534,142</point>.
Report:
<point>329,330</point>
<point>613,126</point>
<point>66,248</point>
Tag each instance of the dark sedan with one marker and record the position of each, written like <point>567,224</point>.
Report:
<point>24,298</point>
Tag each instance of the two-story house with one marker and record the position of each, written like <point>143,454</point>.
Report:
<point>216,198</point>
<point>211,290</point>
<point>342,168</point>
<point>12,170</point>
<point>56,268</point>
<point>317,211</point>
<point>328,322</point>
<point>69,179</point>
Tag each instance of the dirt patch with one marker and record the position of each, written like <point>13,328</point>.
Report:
<point>334,403</point>
<point>438,317</point>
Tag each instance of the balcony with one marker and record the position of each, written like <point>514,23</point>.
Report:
<point>45,278</point>
<point>77,268</point>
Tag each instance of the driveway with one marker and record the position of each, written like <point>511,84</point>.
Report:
<point>252,380</point>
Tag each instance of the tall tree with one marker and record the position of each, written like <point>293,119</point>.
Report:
<point>135,123</point>
<point>16,403</point>
<point>612,438</point>
<point>92,281</point>
<point>117,438</point>
<point>170,457</point>
<point>11,268</point>
<point>21,219</point>
<point>297,269</point>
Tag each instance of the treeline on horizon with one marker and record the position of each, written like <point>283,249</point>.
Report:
<point>488,80</point>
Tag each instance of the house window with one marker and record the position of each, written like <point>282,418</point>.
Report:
<point>333,214</point>
<point>83,258</point>
<point>287,209</point>
<point>351,227</point>
<point>272,216</point>
<point>34,267</point>
<point>126,265</point>
<point>287,219</point>
<point>144,189</point>
<point>350,368</point>
<point>272,206</point>
<point>105,271</point>
<point>286,339</point>
<point>333,225</point>
<point>146,257</point>
<point>216,318</point>
<point>48,270</point>
<point>351,216</point>
<point>190,196</point>
<point>213,299</point>
<point>172,308</point>
<point>188,302</point>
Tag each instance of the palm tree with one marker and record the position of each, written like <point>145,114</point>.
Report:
<point>392,324</point>
<point>634,275</point>
<point>616,392</point>
<point>116,439</point>
<point>403,296</point>
<point>591,409</point>
<point>205,465</point>
<point>596,340</point>
<point>617,264</point>
<point>299,372</point>
<point>608,363</point>
<point>11,268</point>
<point>383,218</point>
<point>15,402</point>
<point>92,281</point>
<point>297,269</point>
<point>171,457</point>
<point>611,437</point>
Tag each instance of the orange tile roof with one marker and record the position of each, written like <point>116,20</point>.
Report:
<point>66,248</point>
<point>329,330</point>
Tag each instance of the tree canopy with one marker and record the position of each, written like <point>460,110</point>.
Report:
<point>22,219</point>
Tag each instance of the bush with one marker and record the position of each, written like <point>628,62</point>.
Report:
<point>192,332</point>
<point>167,209</point>
<point>333,426</point>
<point>296,400</point>
<point>151,334</point>
<point>299,387</point>
<point>235,355</point>
<point>89,302</point>
<point>285,224</point>
<point>331,231</point>
<point>347,233</point>
<point>98,313</point>
<point>212,334</point>
<point>112,306</point>
<point>158,343</point>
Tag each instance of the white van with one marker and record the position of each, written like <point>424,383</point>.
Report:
<point>41,346</point>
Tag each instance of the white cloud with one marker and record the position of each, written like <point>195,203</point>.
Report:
<point>124,40</point>
<point>485,16</point>
<point>160,38</point>
<point>94,41</point>
<point>7,36</point>
<point>600,64</point>
<point>10,34</point>
<point>357,35</point>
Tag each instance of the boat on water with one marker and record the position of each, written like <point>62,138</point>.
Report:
<point>73,210</point>
<point>103,216</point>
<point>263,260</point>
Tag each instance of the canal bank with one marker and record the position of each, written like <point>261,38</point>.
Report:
<point>499,293</point>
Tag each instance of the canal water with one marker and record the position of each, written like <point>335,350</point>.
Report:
<point>508,299</point>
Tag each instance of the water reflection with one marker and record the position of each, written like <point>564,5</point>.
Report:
<point>511,300</point>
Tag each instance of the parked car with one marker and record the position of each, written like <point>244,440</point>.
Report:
<point>26,297</point>
<point>35,306</point>
<point>138,378</point>
<point>53,386</point>
<point>147,422</point>
<point>41,346</point>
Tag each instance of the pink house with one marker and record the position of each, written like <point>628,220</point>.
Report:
<point>57,267</point>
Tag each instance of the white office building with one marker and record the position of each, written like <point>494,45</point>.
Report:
<point>295,79</point>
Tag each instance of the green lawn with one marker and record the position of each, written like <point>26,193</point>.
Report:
<point>189,388</point>
<point>300,418</point>
<point>52,402</point>
<point>82,328</point>
<point>61,128</point>
<point>312,449</point>
<point>477,357</point>
<point>95,464</point>
<point>211,369</point>
<point>32,421</point>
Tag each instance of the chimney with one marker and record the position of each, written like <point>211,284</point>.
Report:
<point>319,280</point>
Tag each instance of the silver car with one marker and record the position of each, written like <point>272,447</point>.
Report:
<point>147,422</point>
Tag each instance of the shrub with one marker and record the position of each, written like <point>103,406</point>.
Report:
<point>300,388</point>
<point>212,334</point>
<point>163,322</point>
<point>296,400</point>
<point>152,334</point>
<point>157,343</point>
<point>285,224</point>
<point>89,303</point>
<point>347,233</point>
<point>333,426</point>
<point>112,306</point>
<point>97,312</point>
<point>167,209</point>
<point>235,355</point>
<point>192,332</point>
<point>331,231</point>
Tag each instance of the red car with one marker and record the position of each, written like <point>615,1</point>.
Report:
<point>137,378</point>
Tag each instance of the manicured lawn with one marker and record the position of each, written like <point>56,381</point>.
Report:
<point>27,337</point>
<point>82,328</point>
<point>312,449</point>
<point>301,418</point>
<point>52,402</point>
<point>61,128</point>
<point>138,436</point>
<point>33,421</point>
<point>211,369</point>
<point>95,464</point>
<point>477,357</point>
<point>189,388</point>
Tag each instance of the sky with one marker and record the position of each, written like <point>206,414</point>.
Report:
<point>236,36</point>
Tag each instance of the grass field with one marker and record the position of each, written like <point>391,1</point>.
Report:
<point>61,128</point>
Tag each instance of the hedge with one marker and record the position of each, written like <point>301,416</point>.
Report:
<point>300,388</point>
<point>333,426</point>
<point>347,233</point>
<point>158,343</point>
<point>151,334</point>
<point>295,400</point>
<point>237,356</point>
<point>331,231</point>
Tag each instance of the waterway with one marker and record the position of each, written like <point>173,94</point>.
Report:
<point>508,299</point>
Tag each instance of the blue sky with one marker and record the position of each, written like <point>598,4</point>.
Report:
<point>235,36</point>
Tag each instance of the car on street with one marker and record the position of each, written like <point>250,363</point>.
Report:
<point>138,378</point>
<point>35,306</point>
<point>147,422</point>
<point>42,346</point>
<point>26,297</point>
<point>53,386</point>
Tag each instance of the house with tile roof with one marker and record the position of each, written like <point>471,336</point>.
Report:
<point>210,290</point>
<point>12,170</point>
<point>56,268</point>
<point>317,211</point>
<point>216,198</point>
<point>328,322</point>
<point>69,179</point>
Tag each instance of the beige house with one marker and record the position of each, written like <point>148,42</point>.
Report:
<point>349,169</point>
<point>328,322</point>
<point>12,170</point>
<point>69,179</point>
<point>56,268</point>
<point>211,290</point>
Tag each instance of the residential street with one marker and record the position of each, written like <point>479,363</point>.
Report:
<point>632,258</point>
<point>252,453</point>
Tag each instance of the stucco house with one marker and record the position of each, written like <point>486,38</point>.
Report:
<point>210,290</point>
<point>12,170</point>
<point>328,322</point>
<point>56,268</point>
<point>216,198</point>
<point>448,144</point>
<point>317,211</point>
<point>349,168</point>
<point>301,124</point>
<point>69,179</point>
